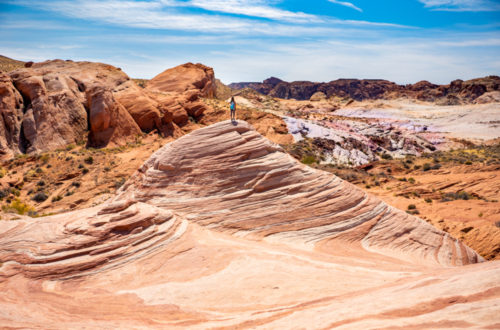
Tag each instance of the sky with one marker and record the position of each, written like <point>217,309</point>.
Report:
<point>250,40</point>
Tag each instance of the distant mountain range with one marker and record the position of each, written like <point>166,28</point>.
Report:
<point>458,91</point>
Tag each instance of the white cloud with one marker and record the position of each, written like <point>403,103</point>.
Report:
<point>462,5</point>
<point>172,15</point>
<point>346,4</point>
<point>256,8</point>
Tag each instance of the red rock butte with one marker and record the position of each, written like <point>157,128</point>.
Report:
<point>221,228</point>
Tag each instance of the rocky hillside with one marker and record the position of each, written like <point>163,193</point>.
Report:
<point>457,92</point>
<point>156,254</point>
<point>8,64</point>
<point>52,104</point>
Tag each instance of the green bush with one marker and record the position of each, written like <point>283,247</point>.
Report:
<point>40,197</point>
<point>89,160</point>
<point>386,156</point>
<point>308,160</point>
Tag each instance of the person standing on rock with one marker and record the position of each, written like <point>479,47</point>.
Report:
<point>232,107</point>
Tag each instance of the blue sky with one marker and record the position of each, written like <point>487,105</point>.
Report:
<point>249,40</point>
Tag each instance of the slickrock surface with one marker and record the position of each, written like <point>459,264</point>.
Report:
<point>221,228</point>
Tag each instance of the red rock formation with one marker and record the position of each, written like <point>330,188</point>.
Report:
<point>184,78</point>
<point>53,110</point>
<point>11,104</point>
<point>254,238</point>
<point>110,123</point>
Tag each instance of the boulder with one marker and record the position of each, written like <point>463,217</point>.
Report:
<point>185,77</point>
<point>54,115</point>
<point>109,121</point>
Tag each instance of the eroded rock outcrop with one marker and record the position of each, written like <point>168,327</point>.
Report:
<point>224,205</point>
<point>11,114</point>
<point>49,105</point>
<point>109,121</point>
<point>185,77</point>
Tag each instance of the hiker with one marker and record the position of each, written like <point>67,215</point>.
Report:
<point>232,106</point>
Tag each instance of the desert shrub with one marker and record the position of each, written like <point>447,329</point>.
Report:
<point>436,166</point>
<point>56,198</point>
<point>2,172</point>
<point>411,180</point>
<point>119,183</point>
<point>70,147</point>
<point>402,179</point>
<point>466,230</point>
<point>49,166</point>
<point>480,214</point>
<point>416,167</point>
<point>411,207</point>
<point>368,186</point>
<point>107,169</point>
<point>428,200</point>
<point>468,162</point>
<point>40,197</point>
<point>386,156</point>
<point>451,196</point>
<point>308,160</point>
<point>81,166</point>
<point>19,207</point>
<point>68,158</point>
<point>45,158</point>
<point>3,194</point>
<point>40,183</point>
<point>413,212</point>
<point>69,193</point>
<point>85,171</point>
<point>76,184</point>
<point>89,160</point>
<point>426,167</point>
<point>497,224</point>
<point>38,170</point>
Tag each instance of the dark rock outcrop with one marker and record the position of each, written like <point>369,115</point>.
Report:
<point>456,92</point>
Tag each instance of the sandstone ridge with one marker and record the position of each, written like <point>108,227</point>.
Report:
<point>222,228</point>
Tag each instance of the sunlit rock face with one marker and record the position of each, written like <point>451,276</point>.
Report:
<point>221,228</point>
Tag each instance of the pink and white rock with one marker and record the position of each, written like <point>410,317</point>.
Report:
<point>221,228</point>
